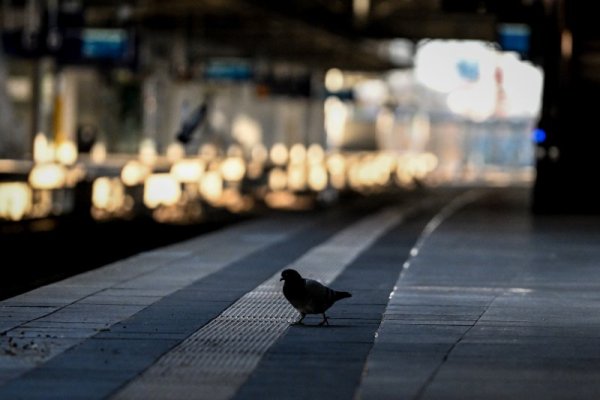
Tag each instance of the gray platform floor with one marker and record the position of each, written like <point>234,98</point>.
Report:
<point>460,294</point>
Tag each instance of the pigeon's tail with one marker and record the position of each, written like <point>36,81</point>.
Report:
<point>341,295</point>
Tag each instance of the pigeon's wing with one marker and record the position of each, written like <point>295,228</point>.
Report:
<point>318,297</point>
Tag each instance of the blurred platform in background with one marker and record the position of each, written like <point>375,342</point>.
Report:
<point>457,294</point>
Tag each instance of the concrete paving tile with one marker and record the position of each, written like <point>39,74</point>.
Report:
<point>53,295</point>
<point>547,389</point>
<point>46,389</point>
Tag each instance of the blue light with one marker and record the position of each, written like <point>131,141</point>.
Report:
<point>539,135</point>
<point>468,69</point>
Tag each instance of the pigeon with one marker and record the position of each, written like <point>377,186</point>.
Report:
<point>309,296</point>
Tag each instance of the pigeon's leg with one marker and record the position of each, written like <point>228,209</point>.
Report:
<point>325,320</point>
<point>299,322</point>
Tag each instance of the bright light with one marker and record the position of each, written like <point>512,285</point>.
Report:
<point>161,189</point>
<point>297,153</point>
<point>233,169</point>
<point>296,177</point>
<point>48,176</point>
<point>315,154</point>
<point>410,166</point>
<point>15,200</point>
<point>522,83</point>
<point>279,154</point>
<point>175,152</point>
<point>336,114</point>
<point>98,152</point>
<point>134,173</point>
<point>147,153</point>
<point>317,178</point>
<point>336,164</point>
<point>446,65</point>
<point>246,130</point>
<point>101,192</point>
<point>188,170</point>
<point>372,91</point>
<point>334,80</point>
<point>108,194</point>
<point>277,179</point>
<point>42,149</point>
<point>66,153</point>
<point>211,186</point>
<point>477,102</point>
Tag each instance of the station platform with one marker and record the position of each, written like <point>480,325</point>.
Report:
<point>457,294</point>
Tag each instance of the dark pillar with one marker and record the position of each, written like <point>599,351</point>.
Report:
<point>569,159</point>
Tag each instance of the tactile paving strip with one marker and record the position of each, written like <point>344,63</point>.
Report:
<point>47,321</point>
<point>216,360</point>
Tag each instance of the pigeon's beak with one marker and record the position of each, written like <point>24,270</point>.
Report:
<point>281,279</point>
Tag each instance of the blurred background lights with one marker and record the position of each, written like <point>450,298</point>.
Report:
<point>134,173</point>
<point>15,200</point>
<point>147,152</point>
<point>188,170</point>
<point>336,114</point>
<point>161,189</point>
<point>297,153</point>
<point>175,152</point>
<point>233,169</point>
<point>108,194</point>
<point>372,91</point>
<point>451,111</point>
<point>334,80</point>
<point>42,149</point>
<point>315,153</point>
<point>66,153</point>
<point>279,154</point>
<point>211,186</point>
<point>98,153</point>
<point>445,65</point>
<point>48,176</point>
<point>246,130</point>
<point>277,179</point>
<point>317,178</point>
<point>296,179</point>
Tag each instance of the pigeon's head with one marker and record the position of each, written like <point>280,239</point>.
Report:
<point>290,275</point>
